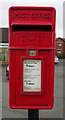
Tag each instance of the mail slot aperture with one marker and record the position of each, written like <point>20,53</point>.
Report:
<point>32,35</point>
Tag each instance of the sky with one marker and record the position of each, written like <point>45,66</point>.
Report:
<point>57,4</point>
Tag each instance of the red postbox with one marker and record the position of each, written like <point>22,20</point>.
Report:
<point>31,57</point>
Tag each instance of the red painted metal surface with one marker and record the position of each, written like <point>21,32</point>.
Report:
<point>31,28</point>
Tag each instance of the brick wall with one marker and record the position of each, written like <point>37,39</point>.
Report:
<point>3,35</point>
<point>60,48</point>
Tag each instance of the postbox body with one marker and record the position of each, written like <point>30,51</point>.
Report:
<point>31,57</point>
